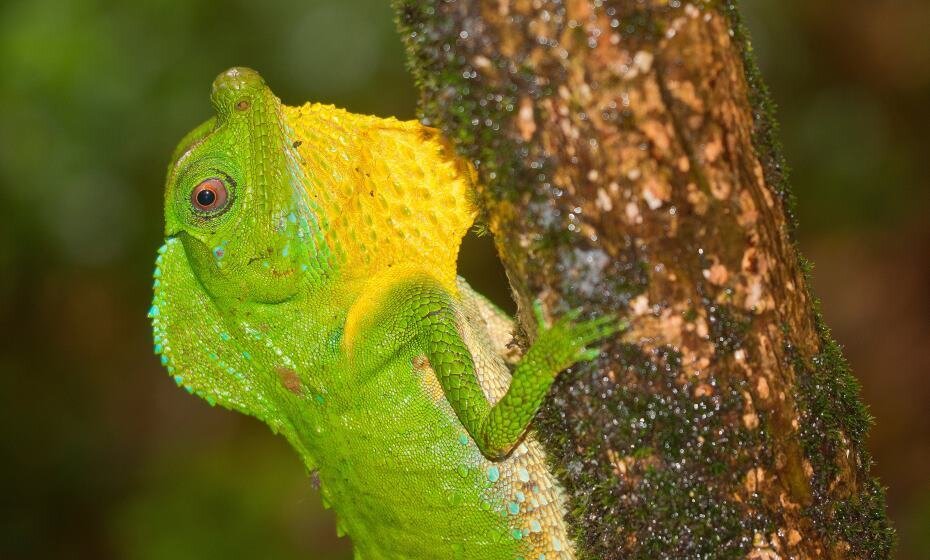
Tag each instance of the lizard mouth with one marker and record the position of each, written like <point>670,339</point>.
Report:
<point>273,270</point>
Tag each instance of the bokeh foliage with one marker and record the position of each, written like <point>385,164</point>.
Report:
<point>103,457</point>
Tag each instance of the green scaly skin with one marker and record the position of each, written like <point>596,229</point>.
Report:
<point>420,446</point>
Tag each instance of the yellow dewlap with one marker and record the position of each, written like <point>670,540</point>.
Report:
<point>392,194</point>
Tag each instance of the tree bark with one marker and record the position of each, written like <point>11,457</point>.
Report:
<point>629,166</point>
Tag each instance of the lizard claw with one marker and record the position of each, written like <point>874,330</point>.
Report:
<point>568,338</point>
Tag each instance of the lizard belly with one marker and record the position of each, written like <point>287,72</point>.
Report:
<point>417,487</point>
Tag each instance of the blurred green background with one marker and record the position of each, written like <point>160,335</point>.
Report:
<point>102,457</point>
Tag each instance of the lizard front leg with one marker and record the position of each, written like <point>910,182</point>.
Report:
<point>497,428</point>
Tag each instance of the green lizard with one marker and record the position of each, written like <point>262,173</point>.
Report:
<point>308,279</point>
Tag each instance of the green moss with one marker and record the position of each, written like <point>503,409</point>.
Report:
<point>728,325</point>
<point>684,456</point>
<point>833,417</point>
<point>833,421</point>
<point>863,523</point>
<point>765,130</point>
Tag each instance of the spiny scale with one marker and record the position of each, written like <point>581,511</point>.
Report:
<point>398,193</point>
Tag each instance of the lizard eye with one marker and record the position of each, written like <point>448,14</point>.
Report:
<point>210,196</point>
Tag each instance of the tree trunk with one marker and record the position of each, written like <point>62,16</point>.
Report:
<point>629,167</point>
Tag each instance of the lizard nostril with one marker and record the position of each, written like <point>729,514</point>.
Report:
<point>236,90</point>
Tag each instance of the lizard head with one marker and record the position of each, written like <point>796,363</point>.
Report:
<point>233,197</point>
<point>277,219</point>
<point>242,240</point>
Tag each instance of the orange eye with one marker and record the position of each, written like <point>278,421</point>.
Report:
<point>210,196</point>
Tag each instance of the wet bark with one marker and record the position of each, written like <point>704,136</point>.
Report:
<point>629,166</point>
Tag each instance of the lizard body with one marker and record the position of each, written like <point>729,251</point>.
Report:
<point>308,279</point>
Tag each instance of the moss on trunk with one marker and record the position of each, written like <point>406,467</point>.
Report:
<point>630,165</point>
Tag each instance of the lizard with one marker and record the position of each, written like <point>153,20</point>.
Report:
<point>308,279</point>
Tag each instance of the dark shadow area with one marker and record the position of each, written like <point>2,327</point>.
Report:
<point>482,268</point>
